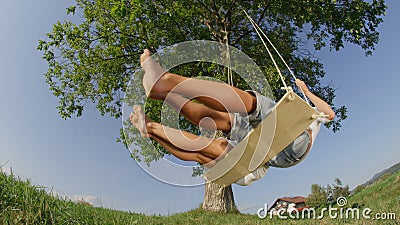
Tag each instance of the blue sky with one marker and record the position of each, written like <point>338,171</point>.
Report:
<point>79,156</point>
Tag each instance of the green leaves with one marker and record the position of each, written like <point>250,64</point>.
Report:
<point>71,10</point>
<point>91,62</point>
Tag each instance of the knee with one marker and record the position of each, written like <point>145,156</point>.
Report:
<point>225,122</point>
<point>222,144</point>
<point>222,147</point>
<point>253,105</point>
<point>214,120</point>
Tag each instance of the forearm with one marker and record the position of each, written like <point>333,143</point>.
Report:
<point>321,105</point>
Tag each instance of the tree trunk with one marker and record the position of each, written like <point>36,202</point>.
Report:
<point>219,199</point>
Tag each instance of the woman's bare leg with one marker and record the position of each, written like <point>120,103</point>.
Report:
<point>218,96</point>
<point>184,155</point>
<point>185,141</point>
<point>189,142</point>
<point>179,153</point>
<point>197,113</point>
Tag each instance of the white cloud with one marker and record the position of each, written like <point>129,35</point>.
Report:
<point>248,209</point>
<point>92,200</point>
<point>6,170</point>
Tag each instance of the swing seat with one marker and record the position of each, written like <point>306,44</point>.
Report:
<point>288,119</point>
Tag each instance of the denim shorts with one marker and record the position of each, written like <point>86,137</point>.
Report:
<point>293,153</point>
<point>242,125</point>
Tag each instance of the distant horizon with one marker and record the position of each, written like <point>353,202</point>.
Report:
<point>96,201</point>
<point>80,156</point>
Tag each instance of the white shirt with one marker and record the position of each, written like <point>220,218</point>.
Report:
<point>315,126</point>
<point>259,173</point>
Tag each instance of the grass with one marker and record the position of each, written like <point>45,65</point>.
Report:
<point>23,203</point>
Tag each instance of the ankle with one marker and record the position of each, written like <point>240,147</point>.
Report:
<point>151,126</point>
<point>172,80</point>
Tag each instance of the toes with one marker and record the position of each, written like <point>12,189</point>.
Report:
<point>136,110</point>
<point>146,51</point>
<point>138,119</point>
<point>133,117</point>
<point>134,120</point>
<point>145,55</point>
<point>139,110</point>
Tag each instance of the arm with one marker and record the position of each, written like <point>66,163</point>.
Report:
<point>321,105</point>
<point>253,176</point>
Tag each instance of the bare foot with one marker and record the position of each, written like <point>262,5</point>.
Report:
<point>152,79</point>
<point>144,56</point>
<point>139,120</point>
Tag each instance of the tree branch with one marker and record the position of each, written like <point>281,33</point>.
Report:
<point>163,8</point>
<point>262,16</point>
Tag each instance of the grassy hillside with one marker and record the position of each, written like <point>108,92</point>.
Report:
<point>23,203</point>
<point>391,170</point>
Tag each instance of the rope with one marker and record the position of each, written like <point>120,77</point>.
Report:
<point>266,47</point>
<point>320,115</point>
<point>258,30</point>
<point>228,56</point>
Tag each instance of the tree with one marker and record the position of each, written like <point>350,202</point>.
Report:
<point>337,190</point>
<point>91,61</point>
<point>318,196</point>
<point>321,195</point>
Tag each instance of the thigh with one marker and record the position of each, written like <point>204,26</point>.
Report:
<point>241,124</point>
<point>199,114</point>
<point>240,127</point>
<point>216,95</point>
<point>264,105</point>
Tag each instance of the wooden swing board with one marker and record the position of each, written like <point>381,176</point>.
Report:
<point>288,119</point>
